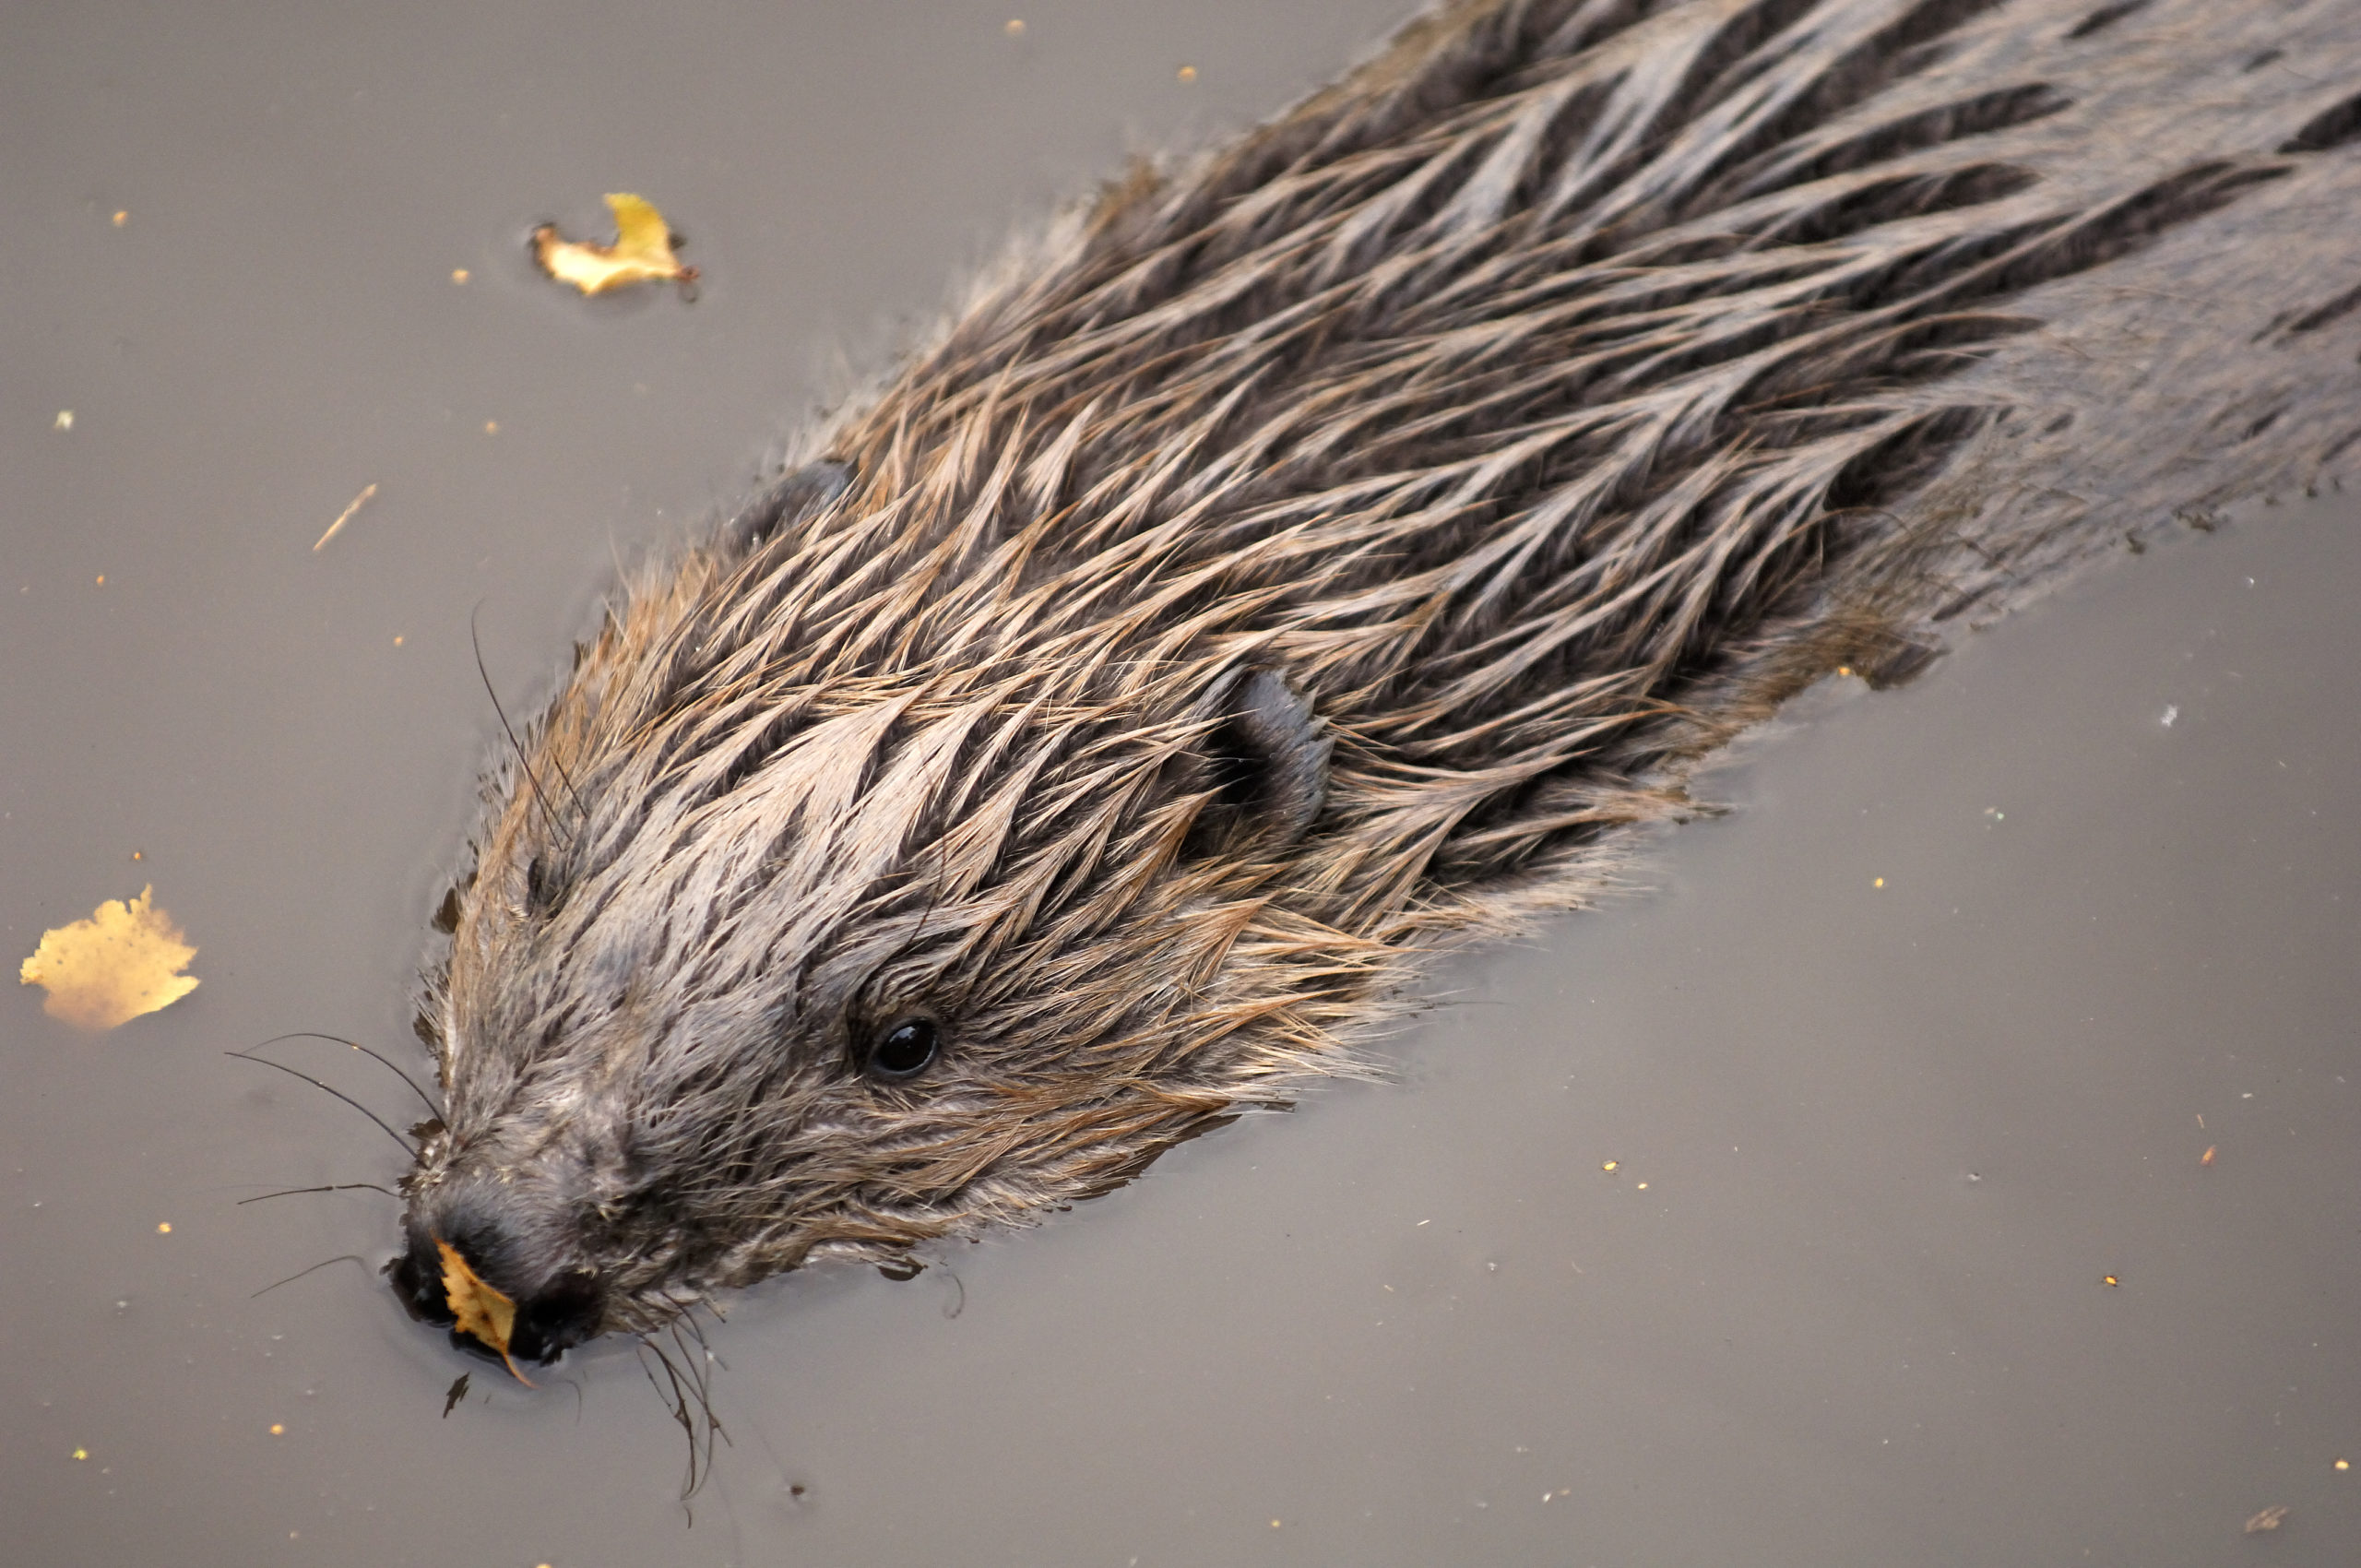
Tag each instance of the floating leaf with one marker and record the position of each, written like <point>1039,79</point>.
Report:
<point>481,1311</point>
<point>2269,1518</point>
<point>123,961</point>
<point>642,252</point>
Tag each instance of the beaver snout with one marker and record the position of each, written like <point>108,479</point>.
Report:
<point>548,1304</point>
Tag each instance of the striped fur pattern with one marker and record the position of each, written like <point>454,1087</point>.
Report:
<point>1541,405</point>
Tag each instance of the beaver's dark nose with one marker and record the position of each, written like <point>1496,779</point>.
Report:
<point>417,1276</point>
<point>563,1313</point>
<point>551,1317</point>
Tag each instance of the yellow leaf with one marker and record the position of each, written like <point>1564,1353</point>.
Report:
<point>642,252</point>
<point>123,961</point>
<point>480,1311</point>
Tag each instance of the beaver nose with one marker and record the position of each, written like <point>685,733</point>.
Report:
<point>560,1315</point>
<point>417,1276</point>
<point>550,1317</point>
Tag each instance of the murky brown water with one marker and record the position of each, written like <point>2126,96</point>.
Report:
<point>1877,1146</point>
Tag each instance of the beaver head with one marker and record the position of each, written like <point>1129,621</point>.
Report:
<point>750,971</point>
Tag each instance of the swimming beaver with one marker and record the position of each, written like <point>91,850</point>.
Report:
<point>1323,553</point>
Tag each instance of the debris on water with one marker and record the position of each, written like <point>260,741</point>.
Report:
<point>345,517</point>
<point>2109,1279</point>
<point>65,419</point>
<point>456,1391</point>
<point>2207,1157</point>
<point>477,1309</point>
<point>124,960</point>
<point>642,251</point>
<point>2269,1518</point>
<point>2171,712</point>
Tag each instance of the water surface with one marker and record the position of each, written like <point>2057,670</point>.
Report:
<point>1896,1063</point>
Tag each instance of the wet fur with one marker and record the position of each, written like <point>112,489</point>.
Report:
<point>1542,403</point>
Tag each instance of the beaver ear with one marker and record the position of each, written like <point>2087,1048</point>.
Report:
<point>786,500</point>
<point>1268,756</point>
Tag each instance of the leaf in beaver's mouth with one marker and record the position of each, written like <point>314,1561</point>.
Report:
<point>481,1312</point>
<point>642,252</point>
<point>123,961</point>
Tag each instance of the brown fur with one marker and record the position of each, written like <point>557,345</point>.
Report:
<point>1539,405</point>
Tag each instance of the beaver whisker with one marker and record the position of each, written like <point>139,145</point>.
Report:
<point>476,643</point>
<point>678,1389</point>
<point>341,1257</point>
<point>264,1061</point>
<point>337,1187</point>
<point>387,1063</point>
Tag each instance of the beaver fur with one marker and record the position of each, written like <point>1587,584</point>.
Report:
<point>1328,550</point>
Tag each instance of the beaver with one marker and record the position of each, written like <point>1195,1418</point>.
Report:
<point>1326,551</point>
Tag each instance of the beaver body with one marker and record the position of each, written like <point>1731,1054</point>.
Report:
<point>1323,552</point>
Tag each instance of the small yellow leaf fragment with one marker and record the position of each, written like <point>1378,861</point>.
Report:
<point>80,1454</point>
<point>65,419</point>
<point>642,252</point>
<point>2269,1518</point>
<point>2109,1279</point>
<point>1879,883</point>
<point>121,219</point>
<point>1611,1165</point>
<point>1016,27</point>
<point>2207,1157</point>
<point>1188,73</point>
<point>165,1229</point>
<point>276,1430</point>
<point>2343,1464</point>
<point>124,960</point>
<point>344,516</point>
<point>459,275</point>
<point>477,1309</point>
<point>1642,1187</point>
<point>491,427</point>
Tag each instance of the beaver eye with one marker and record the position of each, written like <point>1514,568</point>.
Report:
<point>904,1050</point>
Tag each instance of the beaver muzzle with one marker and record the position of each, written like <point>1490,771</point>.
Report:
<point>538,1311</point>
